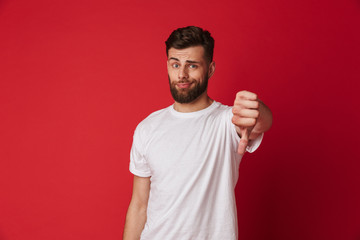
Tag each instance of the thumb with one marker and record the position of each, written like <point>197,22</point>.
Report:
<point>243,141</point>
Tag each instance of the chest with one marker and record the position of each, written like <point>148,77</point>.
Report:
<point>185,146</point>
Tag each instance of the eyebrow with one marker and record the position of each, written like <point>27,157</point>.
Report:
<point>188,61</point>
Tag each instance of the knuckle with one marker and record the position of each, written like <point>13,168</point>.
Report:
<point>241,93</point>
<point>233,110</point>
<point>235,120</point>
<point>236,110</point>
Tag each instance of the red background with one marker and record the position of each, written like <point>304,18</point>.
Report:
<point>77,76</point>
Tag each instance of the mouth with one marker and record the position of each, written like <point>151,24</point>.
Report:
<point>184,85</point>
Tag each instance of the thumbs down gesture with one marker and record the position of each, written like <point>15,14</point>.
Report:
<point>245,116</point>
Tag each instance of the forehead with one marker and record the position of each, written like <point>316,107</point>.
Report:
<point>195,53</point>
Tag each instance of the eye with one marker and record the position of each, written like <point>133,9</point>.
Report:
<point>193,66</point>
<point>175,65</point>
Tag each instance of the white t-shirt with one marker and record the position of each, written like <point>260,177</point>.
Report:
<point>194,166</point>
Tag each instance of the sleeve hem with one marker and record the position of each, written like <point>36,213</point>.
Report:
<point>255,143</point>
<point>139,173</point>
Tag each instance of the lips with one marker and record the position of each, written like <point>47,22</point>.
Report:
<point>183,85</point>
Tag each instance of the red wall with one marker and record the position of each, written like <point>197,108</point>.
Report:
<point>77,76</point>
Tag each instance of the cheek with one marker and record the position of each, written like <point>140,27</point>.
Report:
<point>197,75</point>
<point>172,75</point>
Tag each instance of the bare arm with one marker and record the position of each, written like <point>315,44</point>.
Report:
<point>136,214</point>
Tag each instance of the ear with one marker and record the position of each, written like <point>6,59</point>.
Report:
<point>211,69</point>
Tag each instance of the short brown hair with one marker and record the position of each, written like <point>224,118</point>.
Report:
<point>189,37</point>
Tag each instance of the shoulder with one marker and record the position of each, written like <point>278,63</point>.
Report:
<point>223,107</point>
<point>222,110</point>
<point>153,119</point>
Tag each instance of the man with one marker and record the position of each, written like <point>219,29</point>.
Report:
<point>185,158</point>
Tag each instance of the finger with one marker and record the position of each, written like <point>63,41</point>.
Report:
<point>252,104</point>
<point>246,95</point>
<point>243,141</point>
<point>247,113</point>
<point>243,122</point>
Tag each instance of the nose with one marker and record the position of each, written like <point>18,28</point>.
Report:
<point>183,73</point>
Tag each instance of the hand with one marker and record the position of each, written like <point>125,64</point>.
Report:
<point>246,113</point>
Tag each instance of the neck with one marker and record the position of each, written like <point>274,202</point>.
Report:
<point>202,102</point>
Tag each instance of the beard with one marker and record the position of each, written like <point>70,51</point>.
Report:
<point>188,95</point>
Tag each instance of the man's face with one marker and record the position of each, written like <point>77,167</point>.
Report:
<point>188,72</point>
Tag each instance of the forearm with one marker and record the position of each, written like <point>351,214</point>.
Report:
<point>264,121</point>
<point>135,221</point>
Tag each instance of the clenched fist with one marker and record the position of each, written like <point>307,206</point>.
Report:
<point>246,113</point>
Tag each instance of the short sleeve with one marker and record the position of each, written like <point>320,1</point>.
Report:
<point>255,143</point>
<point>138,163</point>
